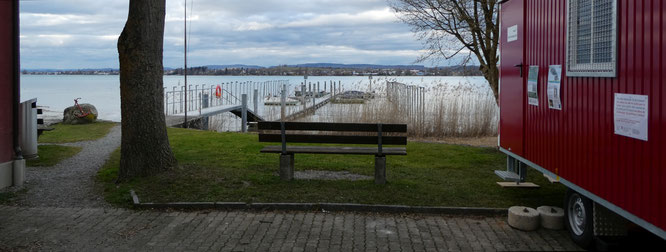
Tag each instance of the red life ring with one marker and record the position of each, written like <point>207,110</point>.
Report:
<point>218,91</point>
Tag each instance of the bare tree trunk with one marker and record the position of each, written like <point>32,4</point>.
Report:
<point>491,74</point>
<point>145,146</point>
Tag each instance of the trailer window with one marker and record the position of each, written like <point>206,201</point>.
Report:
<point>591,38</point>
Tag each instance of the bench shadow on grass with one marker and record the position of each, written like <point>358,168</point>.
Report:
<point>227,167</point>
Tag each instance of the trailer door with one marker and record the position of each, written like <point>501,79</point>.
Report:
<point>512,72</point>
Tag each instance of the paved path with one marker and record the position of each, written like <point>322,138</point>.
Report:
<point>94,229</point>
<point>72,181</point>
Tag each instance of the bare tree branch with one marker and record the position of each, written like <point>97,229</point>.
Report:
<point>455,28</point>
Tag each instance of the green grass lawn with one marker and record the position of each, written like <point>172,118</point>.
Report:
<point>50,155</point>
<point>64,133</point>
<point>229,167</point>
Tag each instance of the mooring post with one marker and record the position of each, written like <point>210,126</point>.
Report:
<point>166,101</point>
<point>313,98</point>
<point>173,104</point>
<point>303,96</point>
<point>196,96</point>
<point>255,100</point>
<point>244,113</point>
<point>283,102</point>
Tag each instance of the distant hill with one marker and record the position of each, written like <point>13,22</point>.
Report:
<point>48,70</point>
<point>239,66</point>
<point>314,69</point>
<point>217,67</point>
<point>359,66</point>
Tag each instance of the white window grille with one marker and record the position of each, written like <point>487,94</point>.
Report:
<point>592,38</point>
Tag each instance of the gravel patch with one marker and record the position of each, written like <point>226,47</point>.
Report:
<point>329,175</point>
<point>71,183</point>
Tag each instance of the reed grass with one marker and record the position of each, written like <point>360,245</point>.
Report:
<point>443,110</point>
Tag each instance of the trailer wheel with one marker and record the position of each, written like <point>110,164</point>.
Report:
<point>579,218</point>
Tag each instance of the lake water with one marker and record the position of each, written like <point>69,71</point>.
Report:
<point>56,92</point>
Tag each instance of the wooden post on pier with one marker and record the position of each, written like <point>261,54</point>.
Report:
<point>244,113</point>
<point>255,100</point>
<point>303,95</point>
<point>283,103</point>
<point>313,97</point>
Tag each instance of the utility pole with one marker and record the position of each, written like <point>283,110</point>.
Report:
<point>185,69</point>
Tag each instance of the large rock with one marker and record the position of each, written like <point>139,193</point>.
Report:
<point>73,115</point>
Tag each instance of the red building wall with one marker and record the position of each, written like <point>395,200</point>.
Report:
<point>578,143</point>
<point>6,79</point>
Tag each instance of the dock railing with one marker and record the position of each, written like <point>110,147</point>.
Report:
<point>206,96</point>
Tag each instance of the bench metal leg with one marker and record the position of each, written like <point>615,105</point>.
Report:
<point>380,170</point>
<point>287,166</point>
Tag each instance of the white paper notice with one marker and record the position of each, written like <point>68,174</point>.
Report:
<point>532,87</point>
<point>631,116</point>
<point>512,33</point>
<point>554,87</point>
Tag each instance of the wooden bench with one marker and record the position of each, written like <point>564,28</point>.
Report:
<point>40,123</point>
<point>337,133</point>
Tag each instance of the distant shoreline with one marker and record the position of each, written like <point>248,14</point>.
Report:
<point>324,70</point>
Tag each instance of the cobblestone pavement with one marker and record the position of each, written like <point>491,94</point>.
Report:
<point>94,229</point>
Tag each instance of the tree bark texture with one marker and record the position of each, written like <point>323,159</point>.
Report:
<point>145,148</point>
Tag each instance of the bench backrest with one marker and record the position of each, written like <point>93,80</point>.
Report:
<point>380,138</point>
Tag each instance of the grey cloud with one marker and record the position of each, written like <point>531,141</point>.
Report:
<point>82,34</point>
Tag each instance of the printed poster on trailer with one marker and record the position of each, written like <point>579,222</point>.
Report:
<point>630,115</point>
<point>532,86</point>
<point>554,87</point>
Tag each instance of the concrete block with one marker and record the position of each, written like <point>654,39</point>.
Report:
<point>19,172</point>
<point>523,218</point>
<point>551,217</point>
<point>6,174</point>
<point>287,167</point>
<point>380,170</point>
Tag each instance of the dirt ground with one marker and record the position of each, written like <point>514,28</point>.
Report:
<point>490,141</point>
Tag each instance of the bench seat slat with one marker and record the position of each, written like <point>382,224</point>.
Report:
<point>322,126</point>
<point>335,150</point>
<point>333,139</point>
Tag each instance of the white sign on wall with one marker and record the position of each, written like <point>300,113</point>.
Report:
<point>532,86</point>
<point>554,87</point>
<point>631,115</point>
<point>512,33</point>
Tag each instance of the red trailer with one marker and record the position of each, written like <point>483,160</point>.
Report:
<point>9,91</point>
<point>583,98</point>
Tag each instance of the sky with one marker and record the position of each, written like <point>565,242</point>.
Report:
<point>78,34</point>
